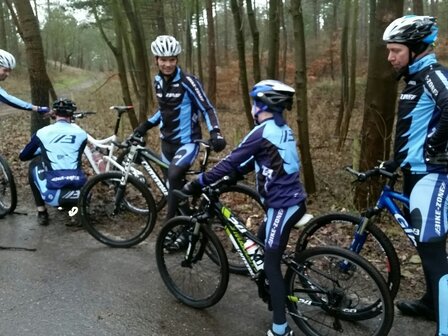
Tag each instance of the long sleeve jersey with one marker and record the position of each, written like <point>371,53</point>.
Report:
<point>15,102</point>
<point>181,101</point>
<point>272,151</point>
<point>422,113</point>
<point>61,146</point>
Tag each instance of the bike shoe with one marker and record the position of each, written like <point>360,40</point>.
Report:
<point>288,332</point>
<point>173,243</point>
<point>416,308</point>
<point>42,218</point>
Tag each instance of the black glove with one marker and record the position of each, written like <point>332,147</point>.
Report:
<point>434,156</point>
<point>217,140</point>
<point>390,165</point>
<point>137,139</point>
<point>192,188</point>
<point>234,177</point>
<point>144,127</point>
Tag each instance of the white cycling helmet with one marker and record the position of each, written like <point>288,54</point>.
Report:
<point>7,60</point>
<point>417,32</point>
<point>165,46</point>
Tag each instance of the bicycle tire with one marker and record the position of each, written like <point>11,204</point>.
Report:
<point>114,226</point>
<point>8,191</point>
<point>200,283</point>
<point>377,249</point>
<point>245,203</point>
<point>159,198</point>
<point>340,308</point>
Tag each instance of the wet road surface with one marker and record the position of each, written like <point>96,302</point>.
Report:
<point>73,285</point>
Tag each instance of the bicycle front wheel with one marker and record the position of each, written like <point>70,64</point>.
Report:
<point>185,267</point>
<point>338,229</point>
<point>246,204</point>
<point>108,210</point>
<point>8,192</point>
<point>333,291</point>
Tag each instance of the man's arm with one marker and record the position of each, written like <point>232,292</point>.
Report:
<point>31,149</point>
<point>435,84</point>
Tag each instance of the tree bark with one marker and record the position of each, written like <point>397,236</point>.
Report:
<point>301,96</point>
<point>236,12</point>
<point>256,68</point>
<point>39,81</point>
<point>273,39</point>
<point>211,81</point>
<point>380,98</point>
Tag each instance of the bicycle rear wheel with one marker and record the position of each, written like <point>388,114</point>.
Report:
<point>325,298</point>
<point>187,271</point>
<point>112,214</point>
<point>245,203</point>
<point>337,229</point>
<point>8,192</point>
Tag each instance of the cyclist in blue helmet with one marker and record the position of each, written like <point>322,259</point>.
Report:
<point>421,151</point>
<point>270,149</point>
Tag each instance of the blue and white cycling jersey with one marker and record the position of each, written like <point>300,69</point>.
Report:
<point>271,150</point>
<point>422,110</point>
<point>15,102</point>
<point>61,146</point>
<point>181,101</point>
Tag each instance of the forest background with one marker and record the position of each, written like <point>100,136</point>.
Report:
<point>334,45</point>
<point>97,53</point>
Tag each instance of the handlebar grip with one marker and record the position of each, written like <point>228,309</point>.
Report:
<point>179,194</point>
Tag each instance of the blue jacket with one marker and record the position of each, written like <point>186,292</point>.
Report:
<point>181,101</point>
<point>422,113</point>
<point>271,150</point>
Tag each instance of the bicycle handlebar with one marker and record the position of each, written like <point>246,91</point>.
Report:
<point>80,115</point>
<point>377,171</point>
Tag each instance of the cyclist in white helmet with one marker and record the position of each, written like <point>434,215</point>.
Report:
<point>181,101</point>
<point>421,151</point>
<point>7,63</point>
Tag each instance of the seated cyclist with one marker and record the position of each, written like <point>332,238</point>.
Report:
<point>271,149</point>
<point>55,173</point>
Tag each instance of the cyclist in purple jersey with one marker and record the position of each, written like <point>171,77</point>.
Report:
<point>7,64</point>
<point>270,148</point>
<point>420,150</point>
<point>181,100</point>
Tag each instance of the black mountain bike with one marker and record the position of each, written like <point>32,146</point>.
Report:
<point>330,291</point>
<point>8,192</point>
<point>120,208</point>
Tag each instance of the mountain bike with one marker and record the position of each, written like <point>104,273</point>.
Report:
<point>8,191</point>
<point>360,234</point>
<point>99,209</point>
<point>330,290</point>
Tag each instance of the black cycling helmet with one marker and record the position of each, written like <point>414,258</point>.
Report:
<point>64,107</point>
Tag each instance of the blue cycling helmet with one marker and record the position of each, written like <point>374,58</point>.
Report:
<point>272,96</point>
<point>416,32</point>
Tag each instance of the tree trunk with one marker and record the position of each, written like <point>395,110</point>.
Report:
<point>380,98</point>
<point>301,96</point>
<point>198,41</point>
<point>273,39</point>
<point>352,76</point>
<point>256,68</point>
<point>39,81</point>
<point>211,83</point>
<point>3,43</point>
<point>140,58</point>
<point>417,7</point>
<point>236,12</point>
<point>160,17</point>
